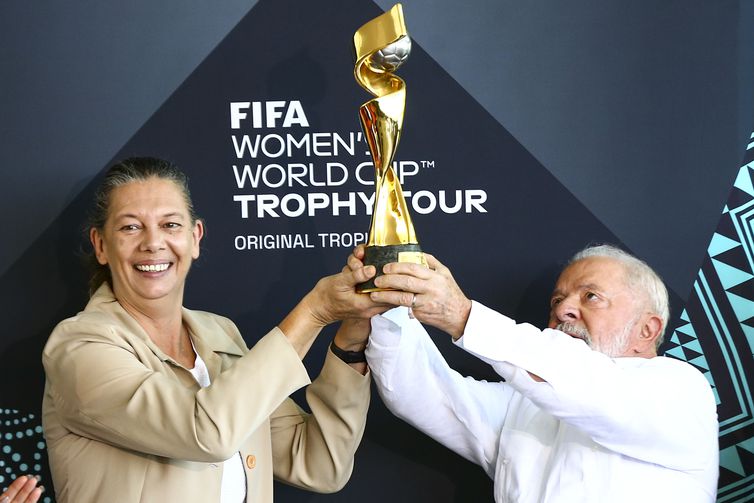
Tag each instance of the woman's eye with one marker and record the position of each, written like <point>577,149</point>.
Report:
<point>172,225</point>
<point>129,227</point>
<point>591,296</point>
<point>555,301</point>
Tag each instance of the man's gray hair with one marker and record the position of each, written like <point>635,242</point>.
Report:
<point>641,278</point>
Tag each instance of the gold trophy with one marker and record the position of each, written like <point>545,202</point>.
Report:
<point>382,45</point>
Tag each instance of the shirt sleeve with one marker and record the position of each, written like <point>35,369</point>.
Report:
<point>417,385</point>
<point>316,451</point>
<point>658,409</point>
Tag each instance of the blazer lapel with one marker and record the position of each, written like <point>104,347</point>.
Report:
<point>210,341</point>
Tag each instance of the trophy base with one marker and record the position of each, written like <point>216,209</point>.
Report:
<point>379,256</point>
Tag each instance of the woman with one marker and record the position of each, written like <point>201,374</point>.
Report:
<point>148,401</point>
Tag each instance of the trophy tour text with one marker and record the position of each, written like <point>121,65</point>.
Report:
<point>283,170</point>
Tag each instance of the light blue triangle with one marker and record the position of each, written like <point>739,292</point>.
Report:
<point>743,181</point>
<point>677,352</point>
<point>725,210</point>
<point>744,308</point>
<point>694,346</point>
<point>674,339</point>
<point>701,361</point>
<point>730,276</point>
<point>685,316</point>
<point>687,329</point>
<point>730,459</point>
<point>721,244</point>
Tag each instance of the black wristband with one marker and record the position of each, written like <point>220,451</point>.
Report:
<point>348,356</point>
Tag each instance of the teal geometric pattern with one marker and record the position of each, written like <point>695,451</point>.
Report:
<point>715,333</point>
<point>685,345</point>
<point>22,448</point>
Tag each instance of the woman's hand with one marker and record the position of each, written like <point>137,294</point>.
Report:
<point>431,293</point>
<point>333,298</point>
<point>22,490</point>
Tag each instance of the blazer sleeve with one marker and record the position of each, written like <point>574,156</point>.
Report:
<point>105,387</point>
<point>316,451</point>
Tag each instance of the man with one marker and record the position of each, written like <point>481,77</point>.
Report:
<point>588,412</point>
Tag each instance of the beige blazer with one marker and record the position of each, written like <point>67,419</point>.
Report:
<point>125,423</point>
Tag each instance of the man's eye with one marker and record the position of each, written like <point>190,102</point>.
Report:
<point>129,227</point>
<point>591,296</point>
<point>172,225</point>
<point>555,301</point>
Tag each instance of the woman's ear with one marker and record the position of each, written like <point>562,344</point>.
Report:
<point>198,234</point>
<point>99,245</point>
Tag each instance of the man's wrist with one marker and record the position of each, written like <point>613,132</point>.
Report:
<point>463,319</point>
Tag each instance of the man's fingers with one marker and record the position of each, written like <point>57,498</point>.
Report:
<point>392,297</point>
<point>432,262</point>
<point>410,268</point>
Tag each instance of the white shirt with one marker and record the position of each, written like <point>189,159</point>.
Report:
<point>233,482</point>
<point>598,430</point>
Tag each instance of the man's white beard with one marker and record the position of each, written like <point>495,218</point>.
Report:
<point>613,346</point>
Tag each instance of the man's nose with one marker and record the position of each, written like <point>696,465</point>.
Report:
<point>566,311</point>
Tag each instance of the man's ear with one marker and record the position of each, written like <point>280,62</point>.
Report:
<point>650,330</point>
<point>99,245</point>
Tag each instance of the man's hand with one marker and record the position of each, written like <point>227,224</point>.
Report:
<point>432,293</point>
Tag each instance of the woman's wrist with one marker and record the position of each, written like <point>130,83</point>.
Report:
<point>348,356</point>
<point>353,334</point>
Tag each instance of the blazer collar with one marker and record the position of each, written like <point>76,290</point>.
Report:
<point>210,340</point>
<point>208,337</point>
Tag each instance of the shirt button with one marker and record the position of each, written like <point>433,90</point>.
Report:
<point>251,461</point>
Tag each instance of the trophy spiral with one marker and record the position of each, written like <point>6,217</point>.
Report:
<point>382,45</point>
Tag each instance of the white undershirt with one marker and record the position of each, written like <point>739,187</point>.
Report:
<point>233,485</point>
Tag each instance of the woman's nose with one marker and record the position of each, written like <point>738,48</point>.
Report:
<point>153,240</point>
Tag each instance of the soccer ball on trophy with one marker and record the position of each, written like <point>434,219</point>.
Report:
<point>389,58</point>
